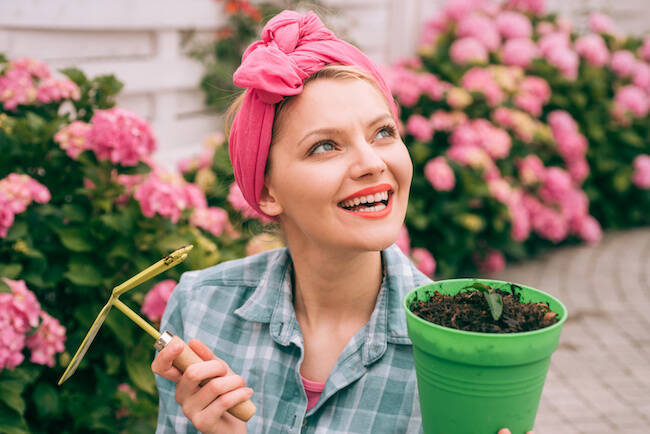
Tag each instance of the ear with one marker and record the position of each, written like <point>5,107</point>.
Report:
<point>268,202</point>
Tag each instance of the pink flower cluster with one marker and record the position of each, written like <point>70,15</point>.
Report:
<point>571,145</point>
<point>630,101</point>
<point>213,219</point>
<point>26,81</point>
<point>477,143</point>
<point>481,80</point>
<point>556,48</point>
<point>239,203</point>
<point>168,195</point>
<point>641,176</point>
<point>16,193</point>
<point>533,94</point>
<point>593,48</point>
<point>439,174</point>
<point>20,312</point>
<point>156,299</point>
<point>422,258</point>
<point>419,127</point>
<point>492,262</point>
<point>408,85</point>
<point>116,134</point>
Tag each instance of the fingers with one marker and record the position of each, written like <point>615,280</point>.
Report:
<point>210,415</point>
<point>204,352</point>
<point>162,363</point>
<point>195,374</point>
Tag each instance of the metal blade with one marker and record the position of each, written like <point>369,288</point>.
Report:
<point>85,344</point>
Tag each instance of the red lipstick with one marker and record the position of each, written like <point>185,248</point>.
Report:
<point>369,190</point>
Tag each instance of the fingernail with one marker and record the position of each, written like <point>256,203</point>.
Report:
<point>250,391</point>
<point>175,346</point>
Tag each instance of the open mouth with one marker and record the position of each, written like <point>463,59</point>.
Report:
<point>370,205</point>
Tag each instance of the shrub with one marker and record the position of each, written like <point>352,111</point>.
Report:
<point>83,207</point>
<point>523,134</point>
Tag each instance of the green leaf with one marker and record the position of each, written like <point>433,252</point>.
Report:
<point>12,422</point>
<point>84,274</point>
<point>75,239</point>
<point>121,327</point>
<point>10,271</point>
<point>11,389</point>
<point>16,231</point>
<point>479,286</point>
<point>46,400</point>
<point>4,287</point>
<point>496,304</point>
<point>74,213</point>
<point>140,169</point>
<point>138,366</point>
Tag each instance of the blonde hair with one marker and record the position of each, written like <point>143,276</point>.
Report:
<point>332,72</point>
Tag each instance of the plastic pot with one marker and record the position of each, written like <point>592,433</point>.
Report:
<point>472,382</point>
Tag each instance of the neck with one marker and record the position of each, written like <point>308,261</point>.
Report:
<point>335,289</point>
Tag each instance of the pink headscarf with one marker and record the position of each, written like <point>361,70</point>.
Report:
<point>293,47</point>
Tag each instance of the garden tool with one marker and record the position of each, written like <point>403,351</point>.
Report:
<point>243,411</point>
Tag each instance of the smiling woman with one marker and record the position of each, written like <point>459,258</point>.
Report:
<point>313,334</point>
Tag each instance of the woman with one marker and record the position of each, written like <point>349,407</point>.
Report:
<point>316,330</point>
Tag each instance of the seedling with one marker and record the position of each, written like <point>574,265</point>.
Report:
<point>494,300</point>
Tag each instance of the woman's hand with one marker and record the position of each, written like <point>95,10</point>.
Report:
<point>507,431</point>
<point>206,406</point>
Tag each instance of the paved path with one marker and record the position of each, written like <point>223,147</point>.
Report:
<point>599,380</point>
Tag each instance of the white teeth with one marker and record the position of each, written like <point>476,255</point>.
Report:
<point>384,195</point>
<point>378,197</point>
<point>357,201</point>
<point>363,199</point>
<point>371,198</point>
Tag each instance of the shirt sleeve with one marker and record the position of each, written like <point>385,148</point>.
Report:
<point>170,415</point>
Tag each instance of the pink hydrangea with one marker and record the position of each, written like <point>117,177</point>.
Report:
<point>552,42</point>
<point>458,98</point>
<point>633,99</point>
<point>557,184</point>
<point>19,312</point>
<point>431,29</point>
<point>403,241</point>
<point>535,6</point>
<point>531,169</point>
<point>404,84</point>
<point>468,50</point>
<point>641,176</point>
<point>239,203</point>
<point>492,262</point>
<point>6,215</point>
<point>20,190</point>
<point>566,60</point>
<point>549,224</point>
<point>430,85</point>
<point>641,76</point>
<point>600,23</point>
<point>439,174</point>
<point>423,261</point>
<point>514,25</point>
<point>419,127</point>
<point>442,120</point>
<point>480,80</point>
<point>212,219</point>
<point>561,122</point>
<point>156,299</point>
<point>500,189</point>
<point>481,28</point>
<point>544,28</point>
<point>167,197</point>
<point>520,218</point>
<point>33,67</point>
<point>56,89</point>
<point>16,88</point>
<point>73,138</point>
<point>623,63</point>
<point>126,388</point>
<point>503,117</point>
<point>495,141</point>
<point>588,229</point>
<point>456,10</point>
<point>121,136</point>
<point>46,341</point>
<point>578,168</point>
<point>593,48</point>
<point>519,52</point>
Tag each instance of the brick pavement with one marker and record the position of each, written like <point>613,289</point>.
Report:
<point>599,379</point>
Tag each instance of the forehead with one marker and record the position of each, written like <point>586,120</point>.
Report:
<point>331,103</point>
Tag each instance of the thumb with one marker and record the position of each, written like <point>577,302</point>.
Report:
<point>201,349</point>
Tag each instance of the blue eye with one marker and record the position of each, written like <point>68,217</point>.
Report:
<point>385,131</point>
<point>322,147</point>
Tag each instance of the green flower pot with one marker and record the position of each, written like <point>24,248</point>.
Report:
<point>472,382</point>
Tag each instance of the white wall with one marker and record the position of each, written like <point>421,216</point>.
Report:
<point>140,42</point>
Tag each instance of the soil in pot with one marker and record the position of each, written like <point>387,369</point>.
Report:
<point>469,311</point>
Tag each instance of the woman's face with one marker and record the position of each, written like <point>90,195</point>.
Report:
<point>338,174</point>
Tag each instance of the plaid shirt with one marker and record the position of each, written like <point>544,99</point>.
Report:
<point>243,310</point>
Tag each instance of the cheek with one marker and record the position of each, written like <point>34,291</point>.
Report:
<point>402,167</point>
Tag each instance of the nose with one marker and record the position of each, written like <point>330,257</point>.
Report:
<point>367,160</point>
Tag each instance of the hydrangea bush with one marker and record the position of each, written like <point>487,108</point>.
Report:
<point>523,133</point>
<point>83,207</point>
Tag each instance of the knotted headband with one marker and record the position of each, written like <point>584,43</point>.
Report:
<point>293,47</point>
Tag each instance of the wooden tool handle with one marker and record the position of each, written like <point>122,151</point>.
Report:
<point>242,411</point>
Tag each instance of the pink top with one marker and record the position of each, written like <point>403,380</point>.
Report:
<point>313,390</point>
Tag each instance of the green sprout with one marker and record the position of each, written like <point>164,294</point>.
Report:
<point>493,298</point>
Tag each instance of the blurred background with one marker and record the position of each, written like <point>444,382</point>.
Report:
<point>527,122</point>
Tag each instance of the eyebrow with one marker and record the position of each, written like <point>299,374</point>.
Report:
<point>326,131</point>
